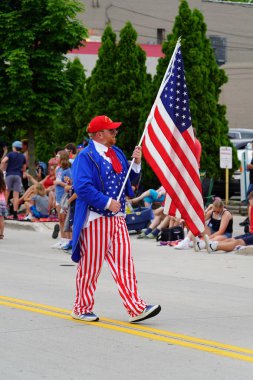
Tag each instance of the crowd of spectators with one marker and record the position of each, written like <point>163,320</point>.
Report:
<point>49,196</point>
<point>44,197</point>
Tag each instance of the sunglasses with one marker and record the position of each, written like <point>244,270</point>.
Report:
<point>111,131</point>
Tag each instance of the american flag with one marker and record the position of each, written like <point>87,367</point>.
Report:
<point>169,146</point>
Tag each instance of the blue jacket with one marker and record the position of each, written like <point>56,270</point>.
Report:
<point>89,177</point>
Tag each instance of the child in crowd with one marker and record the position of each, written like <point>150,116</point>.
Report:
<point>38,205</point>
<point>3,208</point>
<point>62,170</point>
<point>150,196</point>
<point>48,184</point>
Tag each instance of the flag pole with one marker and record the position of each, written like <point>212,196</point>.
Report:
<point>150,117</point>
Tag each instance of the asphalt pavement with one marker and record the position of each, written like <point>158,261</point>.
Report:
<point>204,331</point>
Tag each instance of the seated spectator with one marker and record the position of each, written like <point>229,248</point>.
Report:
<point>47,182</point>
<point>228,245</point>
<point>236,242</point>
<point>38,205</point>
<point>219,226</point>
<point>159,222</point>
<point>150,196</point>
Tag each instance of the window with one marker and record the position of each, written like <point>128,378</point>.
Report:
<point>247,135</point>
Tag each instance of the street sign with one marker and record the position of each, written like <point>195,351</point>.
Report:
<point>225,157</point>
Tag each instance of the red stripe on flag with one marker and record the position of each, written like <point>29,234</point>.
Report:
<point>172,208</point>
<point>154,165</point>
<point>178,149</point>
<point>178,172</point>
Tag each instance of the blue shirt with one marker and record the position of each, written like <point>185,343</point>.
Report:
<point>15,163</point>
<point>60,173</point>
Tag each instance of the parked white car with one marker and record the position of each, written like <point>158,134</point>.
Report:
<point>240,136</point>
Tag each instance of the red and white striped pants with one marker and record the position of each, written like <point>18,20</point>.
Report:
<point>106,238</point>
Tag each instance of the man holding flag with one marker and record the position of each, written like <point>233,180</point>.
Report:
<point>99,229</point>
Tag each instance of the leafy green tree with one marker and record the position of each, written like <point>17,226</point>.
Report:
<point>131,83</point>
<point>70,127</point>
<point>100,85</point>
<point>35,35</point>
<point>204,80</point>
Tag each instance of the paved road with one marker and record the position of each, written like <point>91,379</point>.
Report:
<point>205,329</point>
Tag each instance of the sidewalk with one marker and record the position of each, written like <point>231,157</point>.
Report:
<point>45,226</point>
<point>29,226</point>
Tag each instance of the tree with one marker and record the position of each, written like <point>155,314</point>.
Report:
<point>131,83</point>
<point>204,80</point>
<point>34,37</point>
<point>100,86</point>
<point>70,126</point>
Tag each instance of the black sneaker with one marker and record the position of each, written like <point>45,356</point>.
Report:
<point>149,312</point>
<point>56,231</point>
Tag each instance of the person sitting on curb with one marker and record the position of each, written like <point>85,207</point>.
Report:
<point>48,184</point>
<point>219,227</point>
<point>159,222</point>
<point>150,196</point>
<point>38,205</point>
<point>236,242</point>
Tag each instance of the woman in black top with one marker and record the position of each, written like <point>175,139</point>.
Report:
<point>220,221</point>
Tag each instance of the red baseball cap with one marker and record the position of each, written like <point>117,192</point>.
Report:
<point>99,123</point>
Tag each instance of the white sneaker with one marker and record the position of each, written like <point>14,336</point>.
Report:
<point>27,218</point>
<point>239,247</point>
<point>58,245</point>
<point>244,250</point>
<point>64,243</point>
<point>149,312</point>
<point>184,244</point>
<point>198,244</point>
<point>211,246</point>
<point>87,317</point>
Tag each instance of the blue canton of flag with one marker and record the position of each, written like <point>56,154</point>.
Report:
<point>175,96</point>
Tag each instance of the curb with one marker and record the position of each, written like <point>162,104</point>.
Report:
<point>29,226</point>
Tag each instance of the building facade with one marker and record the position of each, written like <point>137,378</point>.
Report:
<point>153,20</point>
